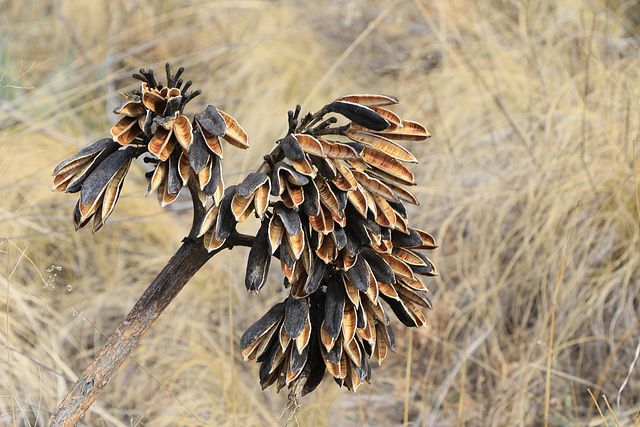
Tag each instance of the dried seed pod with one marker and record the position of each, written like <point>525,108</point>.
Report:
<point>380,268</point>
<point>364,116</point>
<point>198,150</point>
<point>162,143</point>
<point>289,217</point>
<point>215,184</point>
<point>212,121</point>
<point>334,307</point>
<point>317,274</point>
<point>260,328</point>
<point>402,240</point>
<point>296,316</point>
<point>226,221</point>
<point>380,161</point>
<point>410,131</point>
<point>310,145</point>
<point>259,260</point>
<point>173,180</point>
<point>370,100</point>
<point>234,133</point>
<point>292,149</point>
<point>381,144</point>
<point>96,183</point>
<point>126,130</point>
<point>374,185</point>
<point>71,174</point>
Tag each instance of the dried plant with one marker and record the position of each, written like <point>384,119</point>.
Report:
<point>332,209</point>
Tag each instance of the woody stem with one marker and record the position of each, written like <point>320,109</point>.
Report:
<point>189,258</point>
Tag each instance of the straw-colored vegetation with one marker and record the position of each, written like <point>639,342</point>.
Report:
<point>527,184</point>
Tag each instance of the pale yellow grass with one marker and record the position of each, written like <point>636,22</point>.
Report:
<point>527,183</point>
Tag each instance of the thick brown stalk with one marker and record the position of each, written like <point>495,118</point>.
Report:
<point>189,258</point>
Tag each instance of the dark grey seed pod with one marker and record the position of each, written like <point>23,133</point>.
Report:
<point>212,121</point>
<point>290,218</point>
<point>77,217</point>
<point>317,273</point>
<point>362,371</point>
<point>314,240</point>
<point>280,170</point>
<point>334,307</point>
<point>339,236</point>
<point>325,168</point>
<point>381,270</point>
<point>335,354</point>
<point>426,268</point>
<point>163,120</point>
<point>251,183</point>
<point>295,316</point>
<point>76,183</point>
<point>199,151</point>
<point>359,114</point>
<point>402,240</point>
<point>357,147</point>
<point>399,208</point>
<point>341,197</point>
<point>174,182</point>
<point>358,275</point>
<point>367,347</point>
<point>148,121</point>
<point>226,221</point>
<point>259,328</point>
<point>267,364</point>
<point>216,175</point>
<point>418,297</point>
<point>172,107</point>
<point>100,177</point>
<point>287,258</point>
<point>259,259</point>
<point>316,367</point>
<point>105,145</point>
<point>311,202</point>
<point>400,311</point>
<point>392,338</point>
<point>292,149</point>
<point>298,360</point>
<point>361,317</point>
<point>354,244</point>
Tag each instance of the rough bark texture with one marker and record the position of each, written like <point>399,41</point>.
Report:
<point>189,258</point>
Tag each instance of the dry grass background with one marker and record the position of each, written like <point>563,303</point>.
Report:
<point>527,183</point>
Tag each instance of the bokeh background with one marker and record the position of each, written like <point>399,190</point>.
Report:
<point>527,183</point>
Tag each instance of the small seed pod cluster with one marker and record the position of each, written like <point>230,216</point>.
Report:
<point>332,210</point>
<point>153,123</point>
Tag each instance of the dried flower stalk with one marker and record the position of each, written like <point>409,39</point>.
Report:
<point>330,201</point>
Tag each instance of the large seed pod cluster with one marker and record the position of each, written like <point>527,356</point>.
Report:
<point>153,123</point>
<point>332,210</point>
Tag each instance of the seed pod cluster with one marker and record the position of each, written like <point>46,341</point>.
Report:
<point>152,123</point>
<point>337,223</point>
<point>330,199</point>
